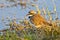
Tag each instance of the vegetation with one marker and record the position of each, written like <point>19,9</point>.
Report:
<point>24,30</point>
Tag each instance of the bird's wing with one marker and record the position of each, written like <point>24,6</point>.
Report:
<point>35,19</point>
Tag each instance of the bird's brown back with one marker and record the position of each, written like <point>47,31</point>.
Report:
<point>37,19</point>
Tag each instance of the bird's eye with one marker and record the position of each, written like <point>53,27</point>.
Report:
<point>29,17</point>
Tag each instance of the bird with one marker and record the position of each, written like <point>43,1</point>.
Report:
<point>37,19</point>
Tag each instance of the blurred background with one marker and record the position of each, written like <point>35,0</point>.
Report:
<point>10,9</point>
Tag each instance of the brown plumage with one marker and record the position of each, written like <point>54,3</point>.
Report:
<point>37,19</point>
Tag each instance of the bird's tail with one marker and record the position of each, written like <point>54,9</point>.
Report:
<point>50,24</point>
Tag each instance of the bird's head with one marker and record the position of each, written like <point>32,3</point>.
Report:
<point>31,13</point>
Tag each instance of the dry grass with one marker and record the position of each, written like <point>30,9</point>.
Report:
<point>25,31</point>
